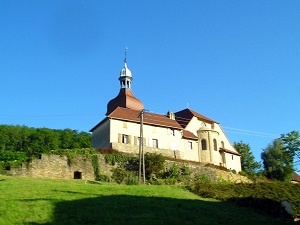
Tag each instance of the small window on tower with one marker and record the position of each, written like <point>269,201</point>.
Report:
<point>215,145</point>
<point>203,144</point>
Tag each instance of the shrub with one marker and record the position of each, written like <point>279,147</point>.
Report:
<point>174,171</point>
<point>154,165</point>
<point>253,195</point>
<point>113,158</point>
<point>185,170</point>
<point>103,177</point>
<point>132,179</point>
<point>95,165</point>
<point>119,174</point>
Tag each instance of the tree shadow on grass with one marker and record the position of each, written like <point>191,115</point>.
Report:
<point>135,210</point>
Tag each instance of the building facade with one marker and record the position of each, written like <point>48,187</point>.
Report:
<point>185,135</point>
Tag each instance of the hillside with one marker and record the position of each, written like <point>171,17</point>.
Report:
<point>55,201</point>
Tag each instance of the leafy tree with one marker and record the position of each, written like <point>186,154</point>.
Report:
<point>249,165</point>
<point>291,145</point>
<point>34,141</point>
<point>277,164</point>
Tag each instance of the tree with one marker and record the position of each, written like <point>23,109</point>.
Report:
<point>249,165</point>
<point>291,145</point>
<point>277,163</point>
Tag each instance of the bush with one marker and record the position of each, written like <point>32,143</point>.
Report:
<point>103,177</point>
<point>174,171</point>
<point>154,165</point>
<point>119,174</point>
<point>252,195</point>
<point>132,179</point>
<point>113,158</point>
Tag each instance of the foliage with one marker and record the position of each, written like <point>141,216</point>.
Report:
<point>32,142</point>
<point>154,165</point>
<point>132,179</point>
<point>277,163</point>
<point>119,174</point>
<point>114,157</point>
<point>262,193</point>
<point>95,165</point>
<point>174,171</point>
<point>11,159</point>
<point>104,177</point>
<point>291,145</point>
<point>249,165</point>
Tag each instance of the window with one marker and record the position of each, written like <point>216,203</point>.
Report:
<point>222,144</point>
<point>215,145</point>
<point>232,157</point>
<point>154,143</point>
<point>203,144</point>
<point>124,125</point>
<point>125,139</point>
<point>190,145</point>
<point>138,140</point>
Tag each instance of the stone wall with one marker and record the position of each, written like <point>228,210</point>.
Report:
<point>134,149</point>
<point>211,173</point>
<point>80,167</point>
<point>56,166</point>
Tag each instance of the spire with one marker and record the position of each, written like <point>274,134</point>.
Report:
<point>125,74</point>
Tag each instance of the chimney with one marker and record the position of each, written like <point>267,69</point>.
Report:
<point>171,115</point>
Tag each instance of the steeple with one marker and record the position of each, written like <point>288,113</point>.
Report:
<point>125,75</point>
<point>125,98</point>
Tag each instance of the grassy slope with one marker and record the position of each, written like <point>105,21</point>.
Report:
<point>49,201</point>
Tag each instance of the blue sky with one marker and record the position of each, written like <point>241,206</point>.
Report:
<point>236,62</point>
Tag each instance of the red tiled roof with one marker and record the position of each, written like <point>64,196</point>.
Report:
<point>149,118</point>
<point>229,151</point>
<point>189,135</point>
<point>184,117</point>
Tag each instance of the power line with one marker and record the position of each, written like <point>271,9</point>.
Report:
<point>155,118</point>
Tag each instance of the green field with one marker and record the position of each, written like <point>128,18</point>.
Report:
<point>54,201</point>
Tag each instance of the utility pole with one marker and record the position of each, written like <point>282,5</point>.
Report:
<point>141,149</point>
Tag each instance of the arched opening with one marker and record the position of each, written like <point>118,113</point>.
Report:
<point>215,145</point>
<point>77,175</point>
<point>222,144</point>
<point>203,144</point>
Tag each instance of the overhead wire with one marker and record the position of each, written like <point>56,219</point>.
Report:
<point>155,118</point>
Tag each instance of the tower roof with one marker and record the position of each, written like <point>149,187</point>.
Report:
<point>125,99</point>
<point>125,72</point>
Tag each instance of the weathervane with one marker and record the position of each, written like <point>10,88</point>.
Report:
<point>125,60</point>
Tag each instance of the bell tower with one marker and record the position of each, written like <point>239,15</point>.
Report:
<point>125,75</point>
<point>125,98</point>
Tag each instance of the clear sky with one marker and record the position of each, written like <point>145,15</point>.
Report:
<point>236,62</point>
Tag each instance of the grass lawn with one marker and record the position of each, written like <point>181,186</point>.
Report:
<point>54,201</point>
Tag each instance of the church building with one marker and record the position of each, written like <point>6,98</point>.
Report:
<point>185,135</point>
